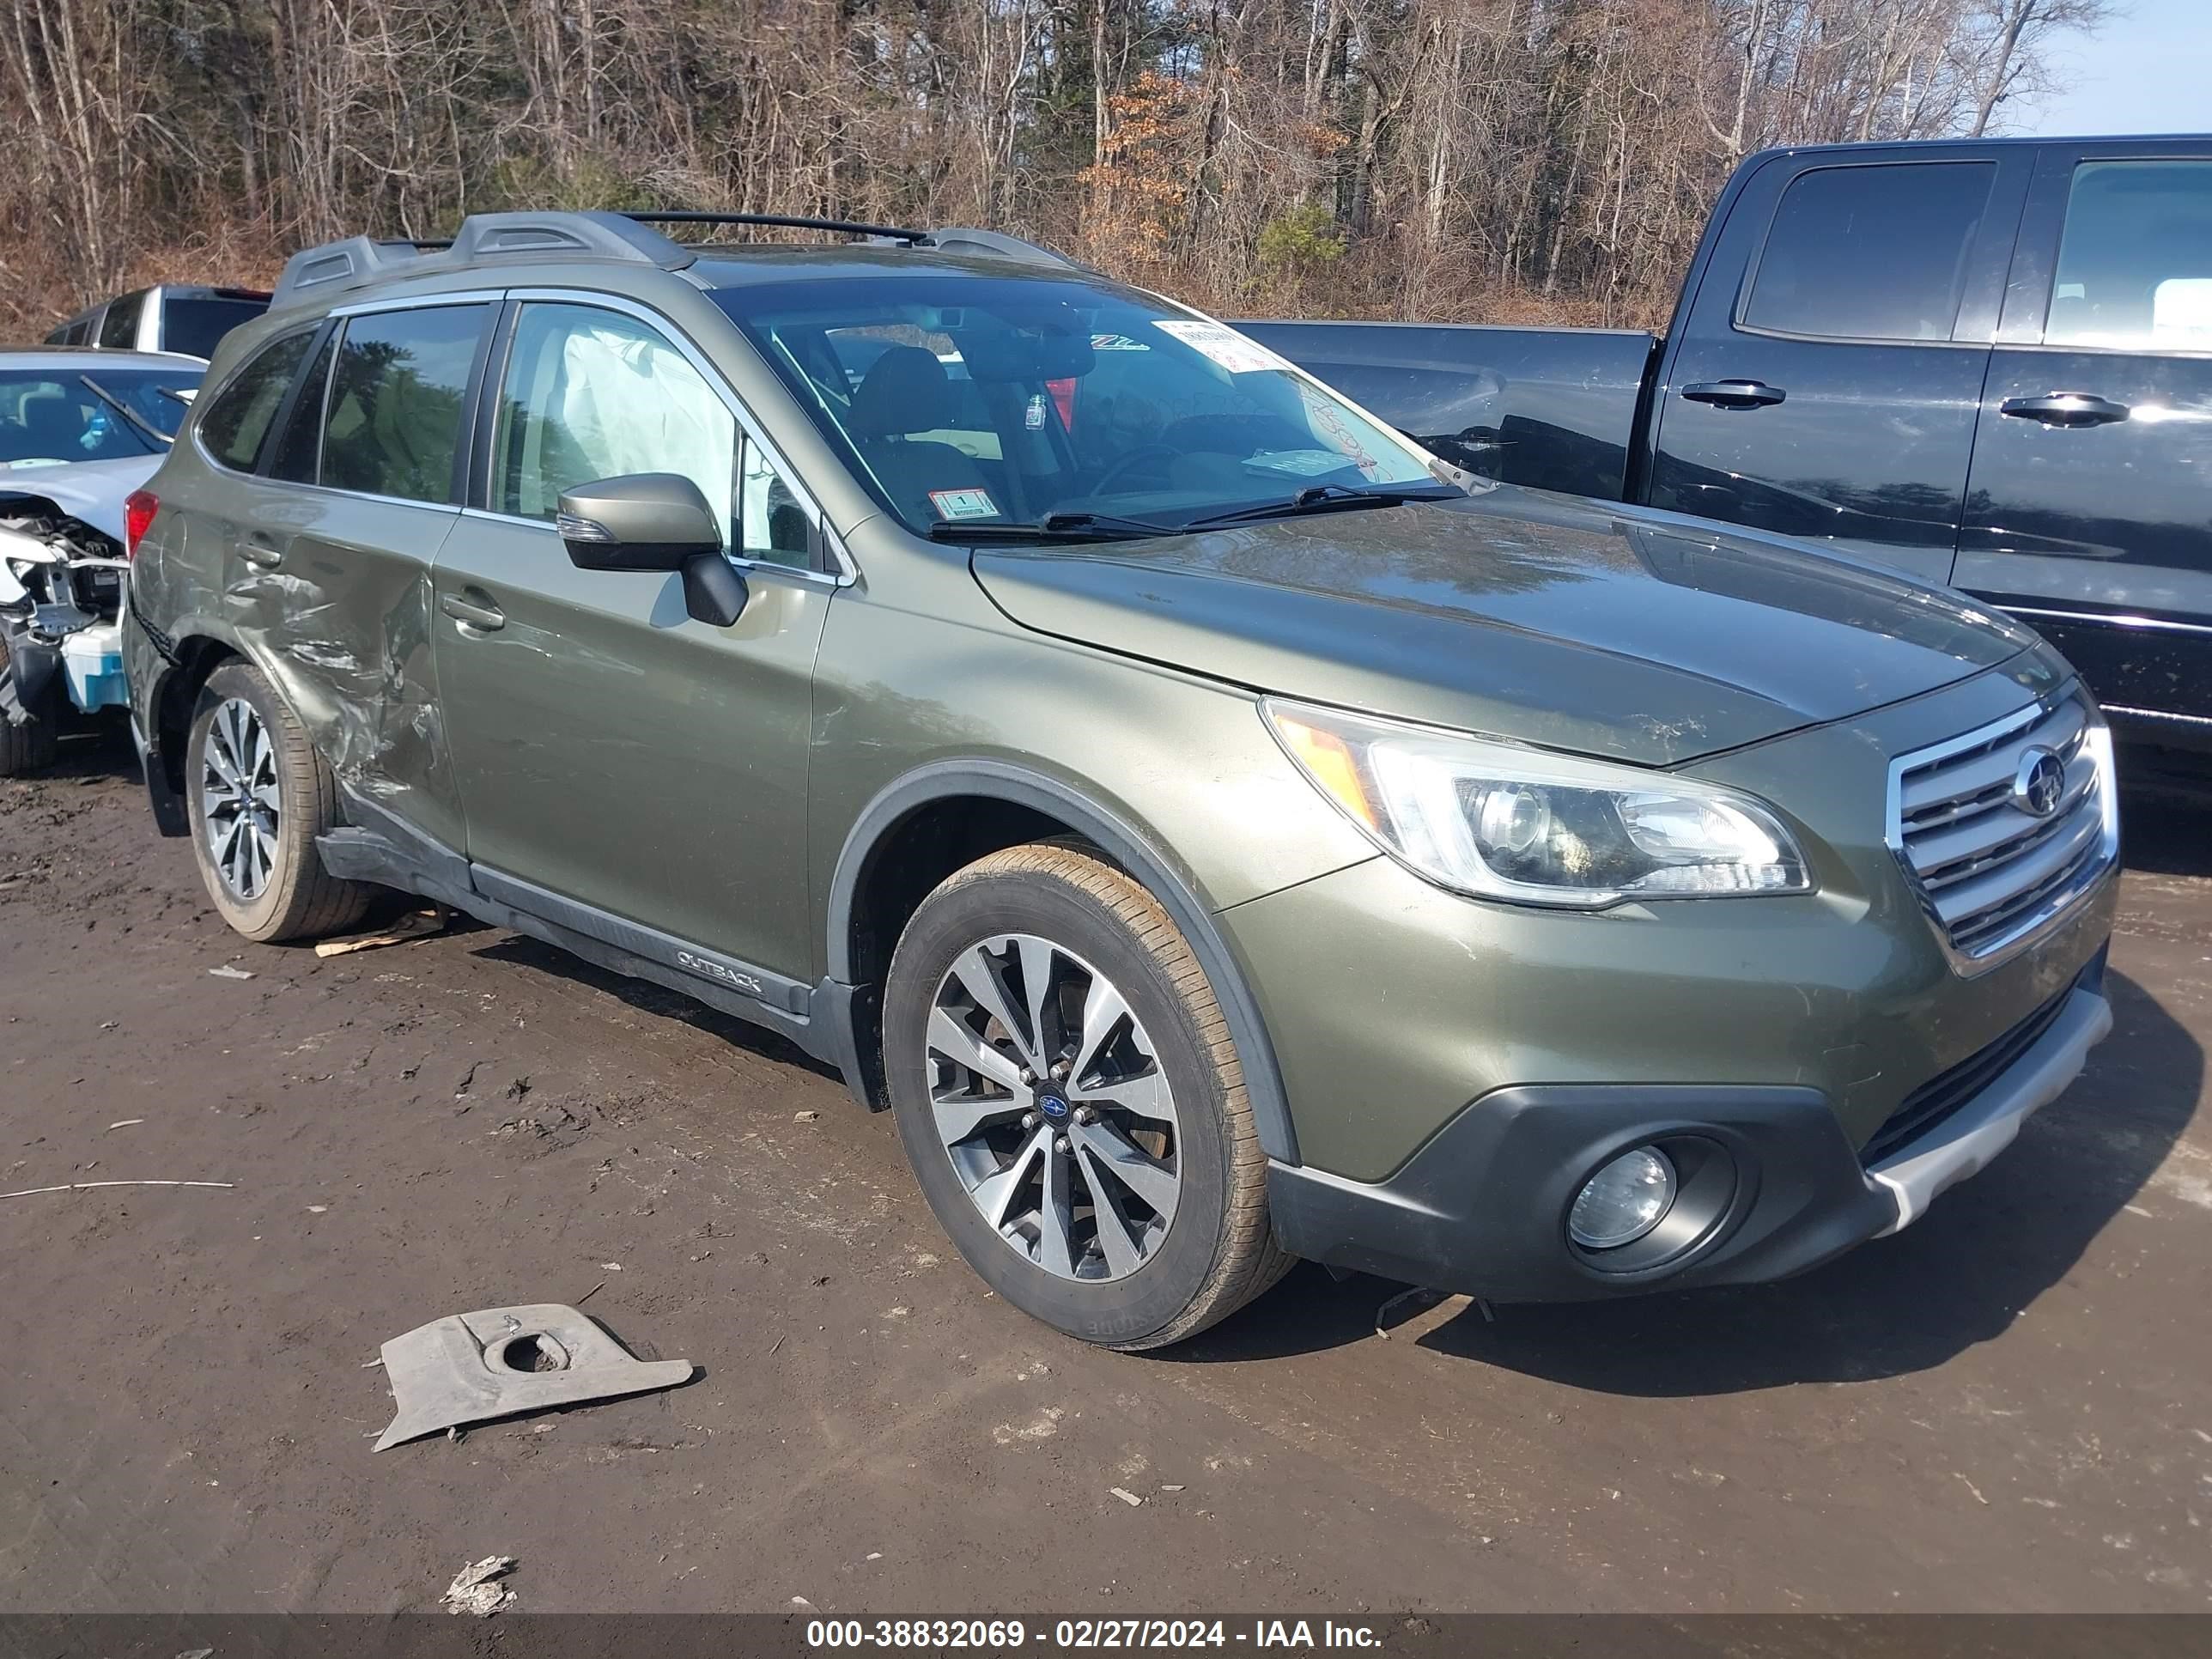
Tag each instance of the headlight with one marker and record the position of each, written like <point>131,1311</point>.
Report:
<point>1499,822</point>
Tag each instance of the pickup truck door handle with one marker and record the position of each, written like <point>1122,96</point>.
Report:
<point>1734,394</point>
<point>479,613</point>
<point>2065,409</point>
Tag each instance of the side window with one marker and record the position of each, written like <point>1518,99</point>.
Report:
<point>590,394</point>
<point>2135,264</point>
<point>774,528</point>
<point>233,425</point>
<point>120,327</point>
<point>395,401</point>
<point>299,449</point>
<point>1870,253</point>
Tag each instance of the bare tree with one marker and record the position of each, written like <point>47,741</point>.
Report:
<point>2012,35</point>
<point>1503,159</point>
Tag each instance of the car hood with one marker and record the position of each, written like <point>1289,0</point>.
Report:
<point>1575,626</point>
<point>90,490</point>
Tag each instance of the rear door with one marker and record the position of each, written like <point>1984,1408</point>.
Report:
<point>2089,512</point>
<point>327,544</point>
<point>646,770</point>
<point>1824,378</point>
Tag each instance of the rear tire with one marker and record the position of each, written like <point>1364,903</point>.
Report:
<point>30,746</point>
<point>1121,1194</point>
<point>258,793</point>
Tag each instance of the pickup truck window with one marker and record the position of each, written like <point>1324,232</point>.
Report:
<point>1869,252</point>
<point>2135,264</point>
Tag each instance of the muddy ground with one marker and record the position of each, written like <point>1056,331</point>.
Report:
<point>2008,1407</point>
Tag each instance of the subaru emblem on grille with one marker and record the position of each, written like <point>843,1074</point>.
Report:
<point>2038,783</point>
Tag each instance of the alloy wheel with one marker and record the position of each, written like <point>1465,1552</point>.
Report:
<point>1050,1099</point>
<point>241,800</point>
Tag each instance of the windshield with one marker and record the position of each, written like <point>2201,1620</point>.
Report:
<point>1003,400</point>
<point>52,415</point>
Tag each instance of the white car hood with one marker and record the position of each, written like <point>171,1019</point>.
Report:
<point>90,490</point>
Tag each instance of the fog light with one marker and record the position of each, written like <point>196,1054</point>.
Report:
<point>1623,1201</point>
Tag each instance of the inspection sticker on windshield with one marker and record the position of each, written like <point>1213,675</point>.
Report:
<point>964,504</point>
<point>1225,346</point>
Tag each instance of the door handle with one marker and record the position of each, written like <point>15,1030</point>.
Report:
<point>261,549</point>
<point>1734,394</point>
<point>486,616</point>
<point>2065,409</point>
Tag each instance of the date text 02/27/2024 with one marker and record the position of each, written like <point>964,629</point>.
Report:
<point>1011,1635</point>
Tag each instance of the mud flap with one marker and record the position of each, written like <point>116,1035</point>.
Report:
<point>28,668</point>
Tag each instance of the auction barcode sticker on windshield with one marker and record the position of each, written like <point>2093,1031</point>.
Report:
<point>1225,346</point>
<point>964,504</point>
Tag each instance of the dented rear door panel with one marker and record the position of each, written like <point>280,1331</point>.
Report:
<point>331,592</point>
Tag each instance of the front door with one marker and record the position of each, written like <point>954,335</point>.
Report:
<point>1831,392</point>
<point>643,768</point>
<point>2089,512</point>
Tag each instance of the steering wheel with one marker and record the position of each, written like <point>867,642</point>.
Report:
<point>1143,453</point>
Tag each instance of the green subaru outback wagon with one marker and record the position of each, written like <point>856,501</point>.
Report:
<point>1218,832</point>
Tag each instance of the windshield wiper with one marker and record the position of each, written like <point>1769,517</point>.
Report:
<point>1054,527</point>
<point>1326,498</point>
<point>126,411</point>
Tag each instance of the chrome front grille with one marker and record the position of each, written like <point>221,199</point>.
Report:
<point>1992,871</point>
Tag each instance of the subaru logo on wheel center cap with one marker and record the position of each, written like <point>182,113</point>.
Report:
<point>2038,783</point>
<point>1052,1106</point>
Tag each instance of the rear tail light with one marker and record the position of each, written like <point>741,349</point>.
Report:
<point>139,507</point>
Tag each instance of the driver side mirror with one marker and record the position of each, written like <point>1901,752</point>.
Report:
<point>649,521</point>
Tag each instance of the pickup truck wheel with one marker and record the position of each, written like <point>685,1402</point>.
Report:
<point>258,794</point>
<point>1068,1095</point>
<point>26,745</point>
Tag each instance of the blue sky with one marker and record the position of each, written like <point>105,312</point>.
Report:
<point>2150,71</point>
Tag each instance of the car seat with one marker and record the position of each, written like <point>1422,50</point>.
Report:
<point>907,390</point>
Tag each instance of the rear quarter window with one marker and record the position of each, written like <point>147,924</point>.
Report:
<point>232,426</point>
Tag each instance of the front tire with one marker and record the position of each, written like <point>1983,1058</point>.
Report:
<point>258,793</point>
<point>1071,1103</point>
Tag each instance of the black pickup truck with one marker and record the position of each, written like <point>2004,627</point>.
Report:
<point>1986,363</point>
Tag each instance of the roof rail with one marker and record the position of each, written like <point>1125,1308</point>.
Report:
<point>627,236</point>
<point>357,260</point>
<point>997,243</point>
<point>689,216</point>
<point>949,241</point>
<point>344,265</point>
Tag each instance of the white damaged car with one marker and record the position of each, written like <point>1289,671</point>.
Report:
<point>81,432</point>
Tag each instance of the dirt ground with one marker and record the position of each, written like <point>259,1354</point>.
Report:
<point>2008,1407</point>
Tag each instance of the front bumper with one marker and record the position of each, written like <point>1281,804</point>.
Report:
<point>1482,1207</point>
<point>1456,1070</point>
